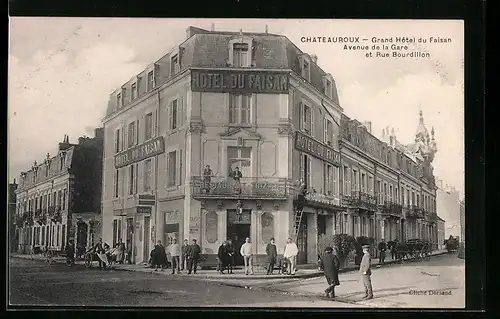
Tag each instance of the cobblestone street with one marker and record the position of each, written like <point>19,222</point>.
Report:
<point>435,283</point>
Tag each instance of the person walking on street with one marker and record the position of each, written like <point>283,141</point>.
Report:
<point>175,252</point>
<point>382,247</point>
<point>291,252</point>
<point>365,271</point>
<point>70,253</point>
<point>246,252</point>
<point>272,255</point>
<point>184,254</point>
<point>120,252</point>
<point>394,249</point>
<point>222,258</point>
<point>330,265</point>
<point>193,257</point>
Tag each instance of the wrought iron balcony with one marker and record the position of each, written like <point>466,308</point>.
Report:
<point>392,209</point>
<point>413,211</point>
<point>432,217</point>
<point>51,210</point>
<point>38,214</point>
<point>360,200</point>
<point>317,200</point>
<point>247,187</point>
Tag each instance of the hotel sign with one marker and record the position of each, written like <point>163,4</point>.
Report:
<point>140,152</point>
<point>239,81</point>
<point>144,210</point>
<point>317,149</point>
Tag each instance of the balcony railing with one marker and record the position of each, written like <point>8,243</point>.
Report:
<point>360,200</point>
<point>51,210</point>
<point>38,214</point>
<point>432,217</point>
<point>317,199</point>
<point>413,211</point>
<point>247,187</point>
<point>391,208</point>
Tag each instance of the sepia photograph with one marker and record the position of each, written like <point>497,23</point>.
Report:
<point>236,163</point>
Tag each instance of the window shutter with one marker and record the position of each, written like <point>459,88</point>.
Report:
<point>136,177</point>
<point>312,122</point>
<point>325,178</point>
<point>180,167</point>
<point>309,167</point>
<point>152,178</point>
<point>301,116</point>
<point>325,130</point>
<point>170,118</point>
<point>137,130</point>
<point>123,136</point>
<point>182,111</point>
<point>140,180</point>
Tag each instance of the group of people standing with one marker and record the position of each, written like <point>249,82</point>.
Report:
<point>183,257</point>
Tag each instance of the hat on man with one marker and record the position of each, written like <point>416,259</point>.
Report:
<point>328,249</point>
<point>365,246</point>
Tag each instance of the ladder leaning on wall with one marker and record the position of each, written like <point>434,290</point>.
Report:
<point>299,211</point>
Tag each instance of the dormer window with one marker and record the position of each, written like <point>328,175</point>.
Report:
<point>124,96</point>
<point>118,100</point>
<point>174,65</point>
<point>133,92</point>
<point>305,70</point>
<point>151,80</point>
<point>305,67</point>
<point>240,52</point>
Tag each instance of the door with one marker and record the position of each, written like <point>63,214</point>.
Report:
<point>302,241</point>
<point>147,239</point>
<point>130,234</point>
<point>82,230</point>
<point>238,229</point>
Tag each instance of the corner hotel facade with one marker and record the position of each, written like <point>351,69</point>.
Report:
<point>224,99</point>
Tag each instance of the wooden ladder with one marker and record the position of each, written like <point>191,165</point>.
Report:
<point>298,220</point>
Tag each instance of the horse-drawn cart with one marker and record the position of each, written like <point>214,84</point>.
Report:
<point>413,249</point>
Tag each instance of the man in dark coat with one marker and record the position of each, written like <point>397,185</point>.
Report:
<point>230,255</point>
<point>222,258</point>
<point>70,253</point>
<point>184,254</point>
<point>382,247</point>
<point>366,272</point>
<point>159,257</point>
<point>272,255</point>
<point>330,265</point>
<point>193,257</point>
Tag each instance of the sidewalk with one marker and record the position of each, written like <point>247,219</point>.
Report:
<point>39,257</point>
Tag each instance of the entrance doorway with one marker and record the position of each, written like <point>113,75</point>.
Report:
<point>81,234</point>
<point>238,228</point>
<point>147,239</point>
<point>130,236</point>
<point>302,241</point>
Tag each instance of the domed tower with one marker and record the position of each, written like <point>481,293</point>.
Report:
<point>424,144</point>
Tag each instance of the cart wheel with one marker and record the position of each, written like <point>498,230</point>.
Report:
<point>88,261</point>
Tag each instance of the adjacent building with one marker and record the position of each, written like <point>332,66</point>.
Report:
<point>13,233</point>
<point>215,139</point>
<point>60,198</point>
<point>448,207</point>
<point>441,233</point>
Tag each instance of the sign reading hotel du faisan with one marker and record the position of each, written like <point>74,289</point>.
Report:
<point>239,81</point>
<point>317,149</point>
<point>139,152</point>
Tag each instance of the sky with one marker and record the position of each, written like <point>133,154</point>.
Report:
<point>62,70</point>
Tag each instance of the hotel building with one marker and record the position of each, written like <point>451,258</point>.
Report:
<point>60,198</point>
<point>212,141</point>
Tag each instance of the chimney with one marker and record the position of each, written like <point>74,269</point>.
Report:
<point>368,126</point>
<point>212,28</point>
<point>99,132</point>
<point>314,58</point>
<point>65,143</point>
<point>266,28</point>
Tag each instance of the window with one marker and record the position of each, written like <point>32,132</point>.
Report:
<point>148,126</point>
<point>139,85</point>
<point>65,193</point>
<point>151,81</point>
<point>408,197</point>
<point>174,65</point>
<point>147,175</point>
<point>124,96</point>
<point>133,92</point>
<point>118,101</point>
<point>137,131</point>
<point>171,168</point>
<point>418,200</point>
<point>334,180</point>
<point>380,193</point>
<point>370,184</point>
<point>240,54</point>
<point>305,69</point>
<point>347,175</point>
<point>306,119</point>
<point>328,132</point>
<point>305,170</point>
<point>329,180</point>
<point>328,88</point>
<point>355,180</point>
<point>131,134</point>
<point>390,193</point>
<point>131,181</point>
<point>173,114</point>
<point>180,167</point>
<point>240,157</point>
<point>117,141</point>
<point>363,183</point>
<point>240,108</point>
<point>117,182</point>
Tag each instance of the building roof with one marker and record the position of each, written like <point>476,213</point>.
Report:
<point>440,219</point>
<point>210,49</point>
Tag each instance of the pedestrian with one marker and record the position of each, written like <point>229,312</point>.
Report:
<point>101,253</point>
<point>246,252</point>
<point>159,256</point>
<point>120,251</point>
<point>237,175</point>
<point>365,271</point>
<point>207,177</point>
<point>382,247</point>
<point>291,252</point>
<point>230,255</point>
<point>184,254</point>
<point>222,258</point>
<point>70,253</point>
<point>394,249</point>
<point>193,257</point>
<point>330,264</point>
<point>272,255</point>
<point>175,252</point>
